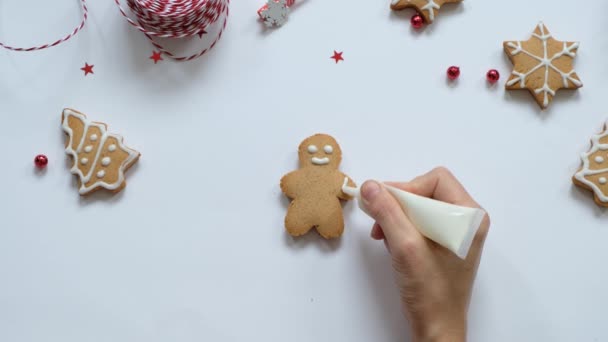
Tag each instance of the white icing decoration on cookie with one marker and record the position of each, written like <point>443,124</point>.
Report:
<point>93,137</point>
<point>328,149</point>
<point>586,171</point>
<point>105,161</point>
<point>312,149</point>
<point>88,149</point>
<point>84,179</point>
<point>84,161</point>
<point>603,180</point>
<point>101,174</point>
<point>431,6</point>
<point>112,148</point>
<point>546,62</point>
<point>599,159</point>
<point>320,161</point>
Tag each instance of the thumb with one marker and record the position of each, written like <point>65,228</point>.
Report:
<point>384,208</point>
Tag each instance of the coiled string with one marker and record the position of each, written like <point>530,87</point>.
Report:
<point>176,19</point>
<point>58,41</point>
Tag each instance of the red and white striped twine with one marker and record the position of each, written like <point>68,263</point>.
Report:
<point>57,42</point>
<point>176,19</point>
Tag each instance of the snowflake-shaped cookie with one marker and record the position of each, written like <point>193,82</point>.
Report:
<point>275,13</point>
<point>427,8</point>
<point>542,65</point>
<point>593,175</point>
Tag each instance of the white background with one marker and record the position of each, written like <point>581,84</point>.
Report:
<point>194,248</point>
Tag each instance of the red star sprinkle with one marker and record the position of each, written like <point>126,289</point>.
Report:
<point>203,32</point>
<point>88,69</point>
<point>156,56</point>
<point>337,56</point>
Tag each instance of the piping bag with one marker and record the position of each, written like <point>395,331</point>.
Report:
<point>452,226</point>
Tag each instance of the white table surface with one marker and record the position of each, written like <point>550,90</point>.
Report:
<point>194,248</point>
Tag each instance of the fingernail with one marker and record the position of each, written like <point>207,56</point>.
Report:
<point>370,190</point>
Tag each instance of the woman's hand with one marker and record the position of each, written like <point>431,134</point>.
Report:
<point>435,284</point>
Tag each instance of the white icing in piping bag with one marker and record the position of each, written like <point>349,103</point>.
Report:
<point>450,225</point>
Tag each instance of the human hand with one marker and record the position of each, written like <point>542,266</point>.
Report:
<point>435,285</point>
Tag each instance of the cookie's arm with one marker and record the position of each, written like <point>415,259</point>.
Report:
<point>290,184</point>
<point>350,183</point>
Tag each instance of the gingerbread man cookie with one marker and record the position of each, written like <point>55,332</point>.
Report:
<point>316,189</point>
<point>593,174</point>
<point>100,158</point>
<point>427,8</point>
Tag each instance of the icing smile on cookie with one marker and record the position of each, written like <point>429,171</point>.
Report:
<point>320,161</point>
<point>313,149</point>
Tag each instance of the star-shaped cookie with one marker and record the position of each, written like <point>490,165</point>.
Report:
<point>427,8</point>
<point>542,65</point>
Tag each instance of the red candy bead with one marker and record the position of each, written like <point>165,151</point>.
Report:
<point>41,161</point>
<point>417,21</point>
<point>453,72</point>
<point>493,76</point>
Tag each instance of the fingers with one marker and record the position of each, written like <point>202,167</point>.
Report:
<point>387,212</point>
<point>377,233</point>
<point>439,184</point>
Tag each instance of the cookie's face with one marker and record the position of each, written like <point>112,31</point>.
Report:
<point>320,150</point>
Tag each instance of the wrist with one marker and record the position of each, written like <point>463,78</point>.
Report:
<point>452,337</point>
<point>447,332</point>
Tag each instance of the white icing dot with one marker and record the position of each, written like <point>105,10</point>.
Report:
<point>101,174</point>
<point>84,161</point>
<point>312,149</point>
<point>328,149</point>
<point>112,148</point>
<point>88,149</point>
<point>603,180</point>
<point>599,159</point>
<point>106,161</point>
<point>93,137</point>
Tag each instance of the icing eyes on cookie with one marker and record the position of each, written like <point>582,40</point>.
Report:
<point>328,149</point>
<point>312,149</point>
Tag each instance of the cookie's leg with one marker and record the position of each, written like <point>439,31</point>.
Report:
<point>332,225</point>
<point>298,220</point>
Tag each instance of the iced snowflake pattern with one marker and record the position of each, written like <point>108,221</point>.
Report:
<point>275,13</point>
<point>557,63</point>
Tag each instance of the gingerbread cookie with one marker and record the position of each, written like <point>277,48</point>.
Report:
<point>100,158</point>
<point>542,65</point>
<point>316,189</point>
<point>593,174</point>
<point>427,8</point>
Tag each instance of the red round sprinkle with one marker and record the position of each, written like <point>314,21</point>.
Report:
<point>417,21</point>
<point>493,76</point>
<point>453,72</point>
<point>41,161</point>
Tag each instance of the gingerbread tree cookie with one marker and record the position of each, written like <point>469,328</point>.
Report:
<point>593,174</point>
<point>427,8</point>
<point>542,65</point>
<point>316,189</point>
<point>100,158</point>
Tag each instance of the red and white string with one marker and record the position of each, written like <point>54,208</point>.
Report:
<point>176,19</point>
<point>58,41</point>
